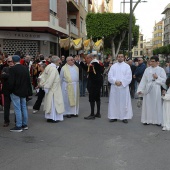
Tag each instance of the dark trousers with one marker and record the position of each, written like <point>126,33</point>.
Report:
<point>132,89</point>
<point>7,103</point>
<point>38,102</point>
<point>94,91</point>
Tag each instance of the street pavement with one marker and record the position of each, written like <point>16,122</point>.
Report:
<point>79,144</point>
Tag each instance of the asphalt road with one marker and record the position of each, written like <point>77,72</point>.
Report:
<point>78,144</point>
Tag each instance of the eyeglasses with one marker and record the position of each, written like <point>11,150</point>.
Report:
<point>139,60</point>
<point>9,61</point>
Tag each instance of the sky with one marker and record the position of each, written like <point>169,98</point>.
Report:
<point>146,13</point>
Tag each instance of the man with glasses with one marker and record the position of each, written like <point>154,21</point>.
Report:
<point>120,76</point>
<point>5,91</point>
<point>150,87</point>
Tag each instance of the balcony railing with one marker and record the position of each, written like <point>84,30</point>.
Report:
<point>73,28</point>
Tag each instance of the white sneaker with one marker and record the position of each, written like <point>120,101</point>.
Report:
<point>35,111</point>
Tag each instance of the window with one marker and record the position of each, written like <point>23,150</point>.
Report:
<point>135,53</point>
<point>21,2</point>
<point>5,1</point>
<point>141,45</point>
<point>53,7</point>
<point>15,5</point>
<point>81,25</point>
<point>141,38</point>
<point>86,5</point>
<point>141,52</point>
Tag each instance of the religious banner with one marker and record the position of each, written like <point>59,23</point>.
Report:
<point>65,43</point>
<point>88,44</point>
<point>76,44</point>
<point>98,45</point>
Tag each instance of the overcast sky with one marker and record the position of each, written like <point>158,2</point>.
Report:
<point>146,13</point>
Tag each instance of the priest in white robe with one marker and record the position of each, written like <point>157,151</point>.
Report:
<point>69,76</point>
<point>120,77</point>
<point>53,102</point>
<point>150,87</point>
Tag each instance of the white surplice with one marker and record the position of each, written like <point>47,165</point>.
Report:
<point>70,110</point>
<point>166,111</point>
<point>119,100</point>
<point>152,103</point>
<point>53,102</point>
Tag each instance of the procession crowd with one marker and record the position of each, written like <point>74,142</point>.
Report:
<point>61,81</point>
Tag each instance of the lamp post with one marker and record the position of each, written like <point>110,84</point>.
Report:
<point>130,31</point>
<point>130,25</point>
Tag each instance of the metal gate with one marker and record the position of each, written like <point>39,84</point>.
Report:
<point>27,47</point>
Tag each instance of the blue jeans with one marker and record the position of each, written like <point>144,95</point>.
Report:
<point>20,109</point>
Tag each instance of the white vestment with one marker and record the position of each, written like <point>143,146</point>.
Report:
<point>119,100</point>
<point>70,110</point>
<point>53,102</point>
<point>166,110</point>
<point>151,89</point>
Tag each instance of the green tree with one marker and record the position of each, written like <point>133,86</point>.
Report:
<point>113,27</point>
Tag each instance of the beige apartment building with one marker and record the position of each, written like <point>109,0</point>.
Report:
<point>35,26</point>
<point>158,35</point>
<point>101,6</point>
<point>148,48</point>
<point>137,51</point>
<point>166,36</point>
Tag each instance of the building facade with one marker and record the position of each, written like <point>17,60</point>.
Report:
<point>158,35</point>
<point>35,26</point>
<point>137,51</point>
<point>148,48</point>
<point>166,11</point>
<point>101,6</point>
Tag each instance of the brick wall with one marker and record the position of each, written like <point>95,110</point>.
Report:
<point>62,13</point>
<point>40,11</point>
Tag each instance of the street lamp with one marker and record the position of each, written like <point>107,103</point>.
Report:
<point>130,25</point>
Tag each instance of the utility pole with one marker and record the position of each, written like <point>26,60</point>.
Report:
<point>130,30</point>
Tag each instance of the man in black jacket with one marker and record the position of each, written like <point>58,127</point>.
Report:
<point>20,88</point>
<point>95,80</point>
<point>5,91</point>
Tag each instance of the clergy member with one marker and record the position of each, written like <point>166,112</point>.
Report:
<point>69,76</point>
<point>53,102</point>
<point>150,86</point>
<point>120,76</point>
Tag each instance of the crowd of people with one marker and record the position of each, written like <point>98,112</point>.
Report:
<point>61,81</point>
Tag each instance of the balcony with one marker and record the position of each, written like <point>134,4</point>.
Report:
<point>73,29</point>
<point>72,5</point>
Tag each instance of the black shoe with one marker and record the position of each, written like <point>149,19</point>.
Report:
<point>98,115</point>
<point>113,120</point>
<point>16,129</point>
<point>145,124</point>
<point>74,115</point>
<point>28,99</point>
<point>125,121</point>
<point>68,116</point>
<point>90,117</point>
<point>24,127</point>
<point>49,120</point>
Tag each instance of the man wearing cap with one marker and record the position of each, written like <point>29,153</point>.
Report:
<point>20,88</point>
